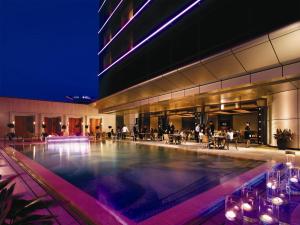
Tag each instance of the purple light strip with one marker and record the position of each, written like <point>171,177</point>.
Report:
<point>102,6</point>
<point>152,35</point>
<point>113,12</point>
<point>128,22</point>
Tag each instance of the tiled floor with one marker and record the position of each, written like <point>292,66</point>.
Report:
<point>30,189</point>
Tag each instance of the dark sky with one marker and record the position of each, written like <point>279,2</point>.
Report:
<point>48,49</point>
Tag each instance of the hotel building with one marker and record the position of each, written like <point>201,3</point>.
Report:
<point>194,61</point>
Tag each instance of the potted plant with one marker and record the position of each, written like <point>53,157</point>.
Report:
<point>44,133</point>
<point>283,138</point>
<point>10,125</point>
<point>18,210</point>
<point>11,133</point>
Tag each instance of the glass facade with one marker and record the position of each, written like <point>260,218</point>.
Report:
<point>210,27</point>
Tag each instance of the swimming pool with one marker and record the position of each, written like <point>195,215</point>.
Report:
<point>139,181</point>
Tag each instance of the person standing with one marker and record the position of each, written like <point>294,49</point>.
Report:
<point>160,132</point>
<point>247,134</point>
<point>119,133</point>
<point>211,128</point>
<point>124,131</point>
<point>172,128</point>
<point>197,130</point>
<point>229,138</point>
<point>135,132</point>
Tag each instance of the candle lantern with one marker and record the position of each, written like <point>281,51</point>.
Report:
<point>233,211</point>
<point>268,214</point>
<point>290,158</point>
<point>273,183</point>
<point>249,205</point>
<point>294,180</point>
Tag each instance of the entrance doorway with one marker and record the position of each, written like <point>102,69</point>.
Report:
<point>75,126</point>
<point>24,126</point>
<point>53,126</point>
<point>225,116</point>
<point>94,123</point>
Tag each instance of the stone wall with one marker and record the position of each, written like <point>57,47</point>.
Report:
<point>11,107</point>
<point>284,113</point>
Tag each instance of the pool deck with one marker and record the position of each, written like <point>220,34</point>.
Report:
<point>94,212</point>
<point>30,189</point>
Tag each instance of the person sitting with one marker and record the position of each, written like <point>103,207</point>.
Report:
<point>201,134</point>
<point>151,134</point>
<point>160,132</point>
<point>155,135</point>
<point>182,135</point>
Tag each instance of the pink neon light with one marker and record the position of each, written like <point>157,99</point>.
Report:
<point>152,35</point>
<point>128,22</point>
<point>101,6</point>
<point>66,139</point>
<point>110,16</point>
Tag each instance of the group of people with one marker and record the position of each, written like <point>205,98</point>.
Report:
<point>200,132</point>
<point>228,135</point>
<point>121,132</point>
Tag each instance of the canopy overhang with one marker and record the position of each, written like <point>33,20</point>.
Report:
<point>267,64</point>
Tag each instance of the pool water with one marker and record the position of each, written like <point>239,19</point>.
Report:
<point>139,181</point>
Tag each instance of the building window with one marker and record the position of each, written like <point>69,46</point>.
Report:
<point>107,59</point>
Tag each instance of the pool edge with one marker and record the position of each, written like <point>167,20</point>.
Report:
<point>91,210</point>
<point>192,208</point>
<point>180,214</point>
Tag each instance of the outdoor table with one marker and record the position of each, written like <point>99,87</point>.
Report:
<point>176,138</point>
<point>218,141</point>
<point>145,135</point>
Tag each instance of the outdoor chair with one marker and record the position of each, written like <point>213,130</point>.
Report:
<point>155,136</point>
<point>166,139</point>
<point>205,142</point>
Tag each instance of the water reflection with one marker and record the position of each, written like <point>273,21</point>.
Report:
<point>137,180</point>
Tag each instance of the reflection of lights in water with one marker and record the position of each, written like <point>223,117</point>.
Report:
<point>230,215</point>
<point>266,218</point>
<point>68,152</point>
<point>289,164</point>
<point>294,179</point>
<point>246,207</point>
<point>34,152</point>
<point>277,201</point>
<point>60,151</point>
<point>272,185</point>
<point>282,195</point>
<point>269,184</point>
<point>71,147</point>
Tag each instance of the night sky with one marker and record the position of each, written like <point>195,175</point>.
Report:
<point>48,49</point>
